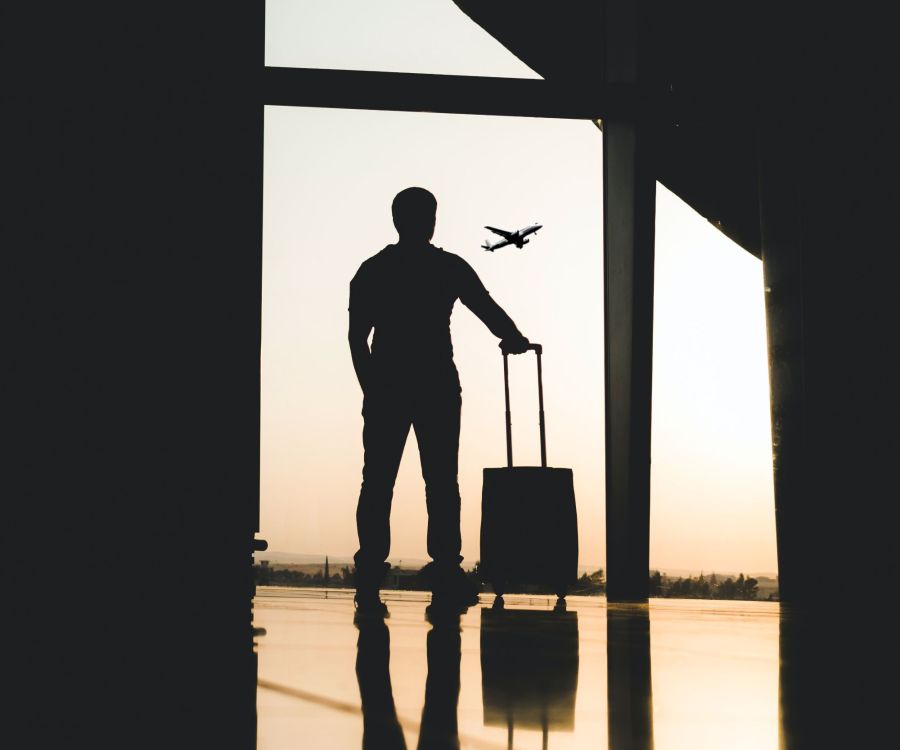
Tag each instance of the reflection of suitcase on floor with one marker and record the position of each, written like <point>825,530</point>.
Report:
<point>529,529</point>
<point>529,669</point>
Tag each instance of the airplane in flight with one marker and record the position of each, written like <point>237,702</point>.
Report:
<point>516,238</point>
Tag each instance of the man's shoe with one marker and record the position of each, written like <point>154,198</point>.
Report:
<point>453,588</point>
<point>369,605</point>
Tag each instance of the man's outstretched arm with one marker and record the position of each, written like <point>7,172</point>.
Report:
<point>476,297</point>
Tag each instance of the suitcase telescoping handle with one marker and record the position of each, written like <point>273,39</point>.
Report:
<point>538,350</point>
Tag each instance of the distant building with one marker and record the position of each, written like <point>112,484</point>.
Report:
<point>400,578</point>
<point>767,588</point>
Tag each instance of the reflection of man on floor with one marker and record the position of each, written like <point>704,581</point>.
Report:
<point>406,293</point>
<point>381,728</point>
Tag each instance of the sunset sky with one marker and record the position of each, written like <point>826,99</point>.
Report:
<point>330,176</point>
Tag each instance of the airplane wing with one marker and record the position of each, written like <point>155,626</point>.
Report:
<point>502,232</point>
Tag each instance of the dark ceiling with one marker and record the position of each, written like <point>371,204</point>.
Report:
<point>697,78</point>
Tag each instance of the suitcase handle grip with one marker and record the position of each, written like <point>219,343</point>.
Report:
<point>538,350</point>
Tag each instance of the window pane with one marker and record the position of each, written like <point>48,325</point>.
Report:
<point>330,177</point>
<point>408,36</point>
<point>713,505</point>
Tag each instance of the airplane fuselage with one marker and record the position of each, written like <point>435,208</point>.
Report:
<point>517,238</point>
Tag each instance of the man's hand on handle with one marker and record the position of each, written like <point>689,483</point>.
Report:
<point>514,345</point>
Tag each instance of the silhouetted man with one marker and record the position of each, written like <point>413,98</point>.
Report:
<point>406,293</point>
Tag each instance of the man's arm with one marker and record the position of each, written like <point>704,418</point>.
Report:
<point>358,335</point>
<point>476,297</point>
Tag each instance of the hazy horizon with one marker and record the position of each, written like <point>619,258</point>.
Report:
<point>308,558</point>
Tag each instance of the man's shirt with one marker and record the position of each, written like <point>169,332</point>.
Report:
<point>407,294</point>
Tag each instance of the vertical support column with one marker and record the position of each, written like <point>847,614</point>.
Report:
<point>629,200</point>
<point>781,236</point>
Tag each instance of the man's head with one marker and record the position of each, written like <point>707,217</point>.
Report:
<point>414,211</point>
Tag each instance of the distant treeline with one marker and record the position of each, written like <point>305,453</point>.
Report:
<point>266,575</point>
<point>701,587</point>
<point>704,587</point>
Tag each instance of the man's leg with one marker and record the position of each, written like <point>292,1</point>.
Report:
<point>436,422</point>
<point>384,436</point>
<point>440,726</point>
<point>381,730</point>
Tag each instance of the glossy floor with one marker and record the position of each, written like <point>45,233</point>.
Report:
<point>671,674</point>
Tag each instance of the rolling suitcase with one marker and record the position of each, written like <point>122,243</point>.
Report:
<point>529,528</point>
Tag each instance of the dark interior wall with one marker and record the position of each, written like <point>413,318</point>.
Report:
<point>136,214</point>
<point>824,87</point>
<point>827,209</point>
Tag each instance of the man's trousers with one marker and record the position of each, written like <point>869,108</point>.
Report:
<point>434,414</point>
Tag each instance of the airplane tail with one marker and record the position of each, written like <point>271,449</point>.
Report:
<point>486,246</point>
